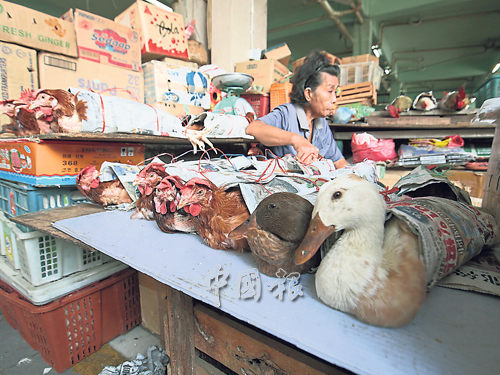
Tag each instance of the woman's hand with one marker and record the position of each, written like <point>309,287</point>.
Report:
<point>306,152</point>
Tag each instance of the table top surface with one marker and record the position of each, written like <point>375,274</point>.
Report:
<point>456,332</point>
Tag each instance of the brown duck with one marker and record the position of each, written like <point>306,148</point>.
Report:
<point>275,230</point>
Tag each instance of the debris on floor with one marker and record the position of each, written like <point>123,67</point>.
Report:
<point>155,364</point>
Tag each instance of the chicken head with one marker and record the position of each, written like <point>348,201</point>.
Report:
<point>149,177</point>
<point>88,178</point>
<point>195,194</point>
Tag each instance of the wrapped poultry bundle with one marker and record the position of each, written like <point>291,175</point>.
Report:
<point>107,114</point>
<point>450,233</point>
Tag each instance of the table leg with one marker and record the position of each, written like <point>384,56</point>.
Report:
<point>177,330</point>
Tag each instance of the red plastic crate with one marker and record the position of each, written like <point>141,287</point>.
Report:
<point>68,330</point>
<point>259,103</point>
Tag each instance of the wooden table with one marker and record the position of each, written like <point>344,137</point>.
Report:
<point>456,332</point>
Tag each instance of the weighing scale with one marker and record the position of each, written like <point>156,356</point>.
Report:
<point>233,84</point>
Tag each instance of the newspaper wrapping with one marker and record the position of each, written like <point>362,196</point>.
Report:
<point>107,114</point>
<point>451,233</point>
<point>421,177</point>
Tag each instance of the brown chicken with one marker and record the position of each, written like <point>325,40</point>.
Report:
<point>146,180</point>
<point>64,106</point>
<point>454,101</point>
<point>103,193</point>
<point>217,212</point>
<point>165,197</point>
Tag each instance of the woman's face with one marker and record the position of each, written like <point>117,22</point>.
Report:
<point>322,101</point>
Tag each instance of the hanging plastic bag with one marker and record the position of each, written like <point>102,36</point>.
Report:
<point>366,146</point>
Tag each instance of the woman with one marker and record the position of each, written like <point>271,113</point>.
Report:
<point>299,127</point>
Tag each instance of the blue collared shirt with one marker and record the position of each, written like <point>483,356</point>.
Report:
<point>292,117</point>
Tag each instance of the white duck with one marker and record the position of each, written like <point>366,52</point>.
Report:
<point>373,270</point>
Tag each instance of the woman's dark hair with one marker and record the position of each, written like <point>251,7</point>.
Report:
<point>309,75</point>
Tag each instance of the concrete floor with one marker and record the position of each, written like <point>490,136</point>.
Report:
<point>18,358</point>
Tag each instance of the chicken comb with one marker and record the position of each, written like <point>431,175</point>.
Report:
<point>198,181</point>
<point>88,168</point>
<point>393,111</point>
<point>164,184</point>
<point>153,165</point>
<point>461,92</point>
<point>176,180</point>
<point>27,95</point>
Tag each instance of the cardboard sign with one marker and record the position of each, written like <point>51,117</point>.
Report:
<point>182,85</point>
<point>58,162</point>
<point>37,30</point>
<point>162,32</point>
<point>61,72</point>
<point>105,41</point>
<point>18,70</point>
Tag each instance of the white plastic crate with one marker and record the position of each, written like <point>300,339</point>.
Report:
<point>42,258</point>
<point>43,294</point>
<point>361,72</point>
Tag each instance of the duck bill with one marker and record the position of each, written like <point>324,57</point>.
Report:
<point>316,234</point>
<point>242,230</point>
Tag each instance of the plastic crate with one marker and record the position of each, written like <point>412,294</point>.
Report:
<point>361,72</point>
<point>70,329</point>
<point>17,198</point>
<point>489,89</point>
<point>12,280</point>
<point>259,103</point>
<point>280,94</point>
<point>42,258</point>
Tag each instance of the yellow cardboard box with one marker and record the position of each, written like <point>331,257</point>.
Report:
<point>264,72</point>
<point>58,162</point>
<point>176,63</point>
<point>62,72</point>
<point>104,41</point>
<point>37,30</point>
<point>162,32</point>
<point>18,70</point>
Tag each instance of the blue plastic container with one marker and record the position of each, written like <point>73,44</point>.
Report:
<point>17,198</point>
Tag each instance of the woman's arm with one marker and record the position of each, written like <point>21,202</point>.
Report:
<point>272,136</point>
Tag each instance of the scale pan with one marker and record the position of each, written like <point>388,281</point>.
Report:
<point>238,81</point>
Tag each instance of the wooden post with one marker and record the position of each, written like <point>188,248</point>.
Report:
<point>177,328</point>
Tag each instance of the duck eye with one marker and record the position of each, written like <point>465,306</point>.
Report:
<point>336,195</point>
<point>272,205</point>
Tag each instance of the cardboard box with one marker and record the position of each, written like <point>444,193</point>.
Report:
<point>333,59</point>
<point>58,162</point>
<point>105,41</point>
<point>176,63</point>
<point>281,52</point>
<point>62,72</point>
<point>18,70</point>
<point>162,33</point>
<point>37,30</point>
<point>471,181</point>
<point>359,59</point>
<point>177,85</point>
<point>265,72</point>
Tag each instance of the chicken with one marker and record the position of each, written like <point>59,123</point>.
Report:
<point>274,231</point>
<point>146,180</point>
<point>425,102</point>
<point>455,100</point>
<point>46,123</point>
<point>217,212</point>
<point>66,108</point>
<point>400,104</point>
<point>165,197</point>
<point>103,193</point>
